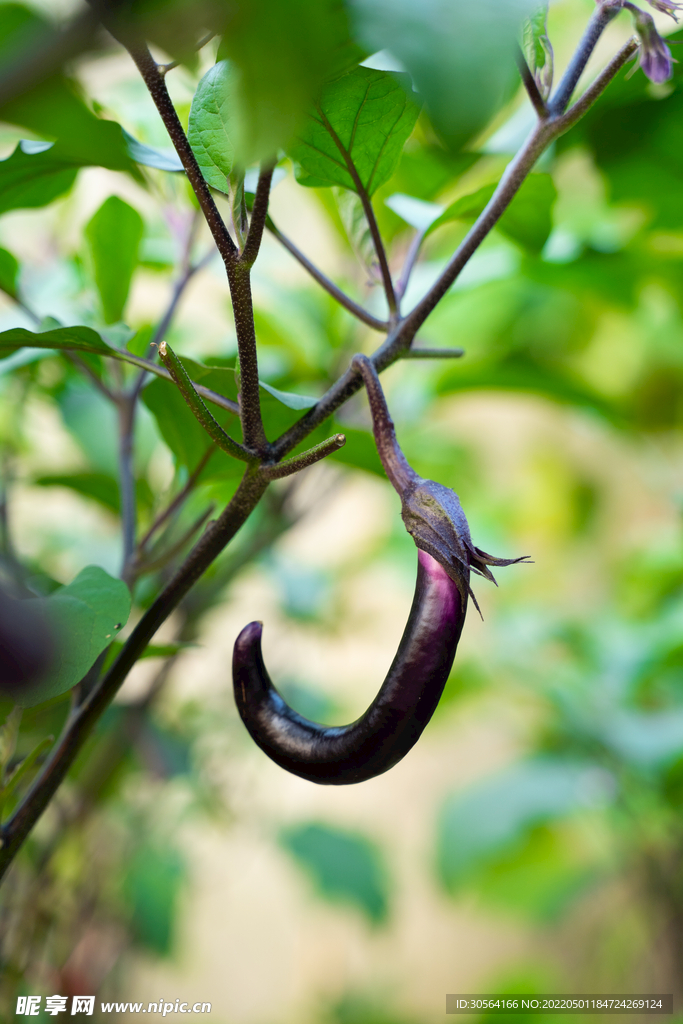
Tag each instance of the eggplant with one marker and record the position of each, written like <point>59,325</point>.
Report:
<point>407,699</point>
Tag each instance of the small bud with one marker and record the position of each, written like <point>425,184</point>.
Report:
<point>655,56</point>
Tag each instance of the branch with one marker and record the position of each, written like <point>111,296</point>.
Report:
<point>432,353</point>
<point>187,390</point>
<point>154,80</point>
<point>411,259</point>
<point>531,86</point>
<point>598,86</point>
<point>167,556</point>
<point>309,458</point>
<point>250,390</point>
<point>369,216</point>
<point>606,10</point>
<point>174,505</point>
<point>97,381</point>
<point>161,371</point>
<point>329,286</point>
<point>126,409</point>
<point>259,214</point>
<point>397,343</point>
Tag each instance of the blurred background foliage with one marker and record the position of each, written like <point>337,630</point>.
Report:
<point>559,429</point>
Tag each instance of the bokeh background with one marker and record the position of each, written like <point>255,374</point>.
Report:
<point>532,841</point>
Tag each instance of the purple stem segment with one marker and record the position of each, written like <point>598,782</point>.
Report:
<point>407,699</point>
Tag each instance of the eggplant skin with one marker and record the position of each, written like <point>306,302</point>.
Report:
<point>407,699</point>
<point>26,646</point>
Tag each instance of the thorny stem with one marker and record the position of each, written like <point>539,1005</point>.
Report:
<point>210,425</point>
<point>154,80</point>
<point>160,371</point>
<point>254,483</point>
<point>531,86</point>
<point>238,274</point>
<point>329,286</point>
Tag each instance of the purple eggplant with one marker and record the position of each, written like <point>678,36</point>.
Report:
<point>338,755</point>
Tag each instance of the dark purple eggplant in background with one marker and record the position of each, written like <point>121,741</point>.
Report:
<point>338,755</point>
<point>26,645</point>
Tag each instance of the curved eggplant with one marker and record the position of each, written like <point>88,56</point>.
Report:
<point>337,755</point>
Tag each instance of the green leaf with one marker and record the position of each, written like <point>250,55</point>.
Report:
<point>282,54</point>
<point>489,817</point>
<point>162,159</point>
<point>459,53</point>
<point>9,270</point>
<point>54,108</point>
<point>528,219</point>
<point>213,129</point>
<point>114,234</point>
<point>154,876</point>
<point>29,180</point>
<point>356,132</point>
<point>86,615</point>
<point>76,339</point>
<point>101,487</point>
<point>289,399</point>
<point>344,866</point>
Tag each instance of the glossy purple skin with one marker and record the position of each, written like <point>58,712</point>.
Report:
<point>339,755</point>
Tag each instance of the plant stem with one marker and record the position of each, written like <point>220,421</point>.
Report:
<point>598,86</point>
<point>259,214</point>
<point>410,260</point>
<point>433,353</point>
<point>126,405</point>
<point>160,371</point>
<point>210,425</point>
<point>176,503</point>
<point>250,390</point>
<point>309,458</point>
<point>606,10</point>
<point>154,80</point>
<point>329,286</point>
<point>531,86</point>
